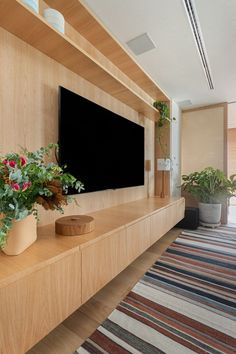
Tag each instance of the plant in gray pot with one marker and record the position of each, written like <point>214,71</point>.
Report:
<point>211,188</point>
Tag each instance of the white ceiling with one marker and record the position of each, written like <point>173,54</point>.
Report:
<point>175,64</point>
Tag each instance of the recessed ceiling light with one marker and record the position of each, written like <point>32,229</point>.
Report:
<point>141,44</point>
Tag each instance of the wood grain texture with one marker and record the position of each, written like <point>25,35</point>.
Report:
<point>205,126</point>
<point>82,323</point>
<point>231,151</point>
<point>158,225</point>
<point>102,261</point>
<point>46,283</point>
<point>138,238</point>
<point>162,149</point>
<point>50,247</point>
<point>74,225</point>
<point>88,25</point>
<point>93,66</point>
<point>37,303</point>
<point>29,116</point>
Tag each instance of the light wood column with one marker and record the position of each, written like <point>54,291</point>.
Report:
<point>159,153</point>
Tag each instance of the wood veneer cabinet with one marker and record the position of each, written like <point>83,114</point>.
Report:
<point>102,261</point>
<point>138,238</point>
<point>34,304</point>
<point>51,279</point>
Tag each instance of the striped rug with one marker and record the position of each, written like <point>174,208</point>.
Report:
<point>185,303</point>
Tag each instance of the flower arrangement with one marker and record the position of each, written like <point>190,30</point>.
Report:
<point>26,180</point>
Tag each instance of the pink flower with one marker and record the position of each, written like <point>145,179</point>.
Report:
<point>15,187</point>
<point>26,185</point>
<point>23,161</point>
<point>12,163</point>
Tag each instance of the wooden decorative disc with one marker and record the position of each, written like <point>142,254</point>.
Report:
<point>74,225</point>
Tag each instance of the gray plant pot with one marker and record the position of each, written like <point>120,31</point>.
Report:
<point>210,213</point>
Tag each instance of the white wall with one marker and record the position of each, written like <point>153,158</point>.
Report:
<point>175,153</point>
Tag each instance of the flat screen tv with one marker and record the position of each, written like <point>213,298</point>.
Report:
<point>100,148</point>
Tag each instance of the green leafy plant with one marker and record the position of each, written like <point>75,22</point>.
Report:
<point>26,180</point>
<point>209,185</point>
<point>163,122</point>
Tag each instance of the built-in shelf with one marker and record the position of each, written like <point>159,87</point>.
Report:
<point>19,20</point>
<point>78,14</point>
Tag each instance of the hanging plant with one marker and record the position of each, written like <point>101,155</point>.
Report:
<point>164,113</point>
<point>164,121</point>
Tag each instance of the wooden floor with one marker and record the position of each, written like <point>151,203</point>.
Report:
<point>68,336</point>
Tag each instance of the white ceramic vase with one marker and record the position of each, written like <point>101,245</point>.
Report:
<point>55,19</point>
<point>33,4</point>
<point>21,236</point>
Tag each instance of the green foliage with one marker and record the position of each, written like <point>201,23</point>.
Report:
<point>210,185</point>
<point>163,122</point>
<point>25,180</point>
<point>164,113</point>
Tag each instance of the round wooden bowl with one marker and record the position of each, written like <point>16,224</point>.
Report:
<point>74,225</point>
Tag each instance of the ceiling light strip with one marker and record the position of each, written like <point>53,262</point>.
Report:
<point>194,24</point>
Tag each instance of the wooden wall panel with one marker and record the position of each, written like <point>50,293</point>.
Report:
<point>203,138</point>
<point>231,151</point>
<point>28,114</point>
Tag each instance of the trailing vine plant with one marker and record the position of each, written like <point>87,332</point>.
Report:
<point>163,122</point>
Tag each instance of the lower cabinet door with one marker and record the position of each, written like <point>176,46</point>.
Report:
<point>34,305</point>
<point>102,261</point>
<point>180,209</point>
<point>159,224</point>
<point>138,238</point>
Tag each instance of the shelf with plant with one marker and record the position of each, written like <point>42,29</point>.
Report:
<point>27,180</point>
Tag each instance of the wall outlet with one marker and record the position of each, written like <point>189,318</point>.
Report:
<point>163,165</point>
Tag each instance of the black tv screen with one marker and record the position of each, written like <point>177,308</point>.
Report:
<point>100,148</point>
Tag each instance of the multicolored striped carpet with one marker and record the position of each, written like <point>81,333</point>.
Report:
<point>185,303</point>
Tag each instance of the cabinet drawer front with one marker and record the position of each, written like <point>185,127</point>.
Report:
<point>159,224</point>
<point>180,209</point>
<point>138,238</point>
<point>33,306</point>
<point>101,262</point>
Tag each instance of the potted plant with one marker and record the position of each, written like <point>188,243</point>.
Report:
<point>211,188</point>
<point>25,181</point>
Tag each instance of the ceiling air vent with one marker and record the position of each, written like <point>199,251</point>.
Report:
<point>195,26</point>
<point>141,44</point>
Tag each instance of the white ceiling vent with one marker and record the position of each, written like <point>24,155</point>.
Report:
<point>185,103</point>
<point>197,34</point>
<point>141,44</point>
